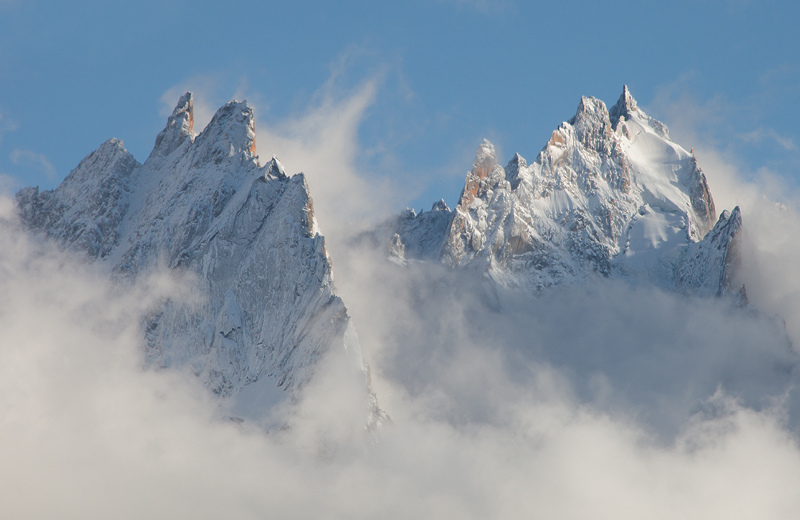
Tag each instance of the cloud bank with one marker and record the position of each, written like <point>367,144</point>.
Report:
<point>477,431</point>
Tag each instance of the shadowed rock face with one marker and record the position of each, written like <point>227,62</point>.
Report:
<point>610,194</point>
<point>702,203</point>
<point>245,233</point>
<point>709,267</point>
<point>180,127</point>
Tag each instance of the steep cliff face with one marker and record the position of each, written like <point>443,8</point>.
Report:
<point>610,194</point>
<point>245,233</point>
<point>708,268</point>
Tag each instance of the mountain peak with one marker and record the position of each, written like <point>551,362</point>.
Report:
<point>591,123</point>
<point>440,205</point>
<point>485,163</point>
<point>180,126</point>
<point>485,156</point>
<point>594,202</point>
<point>513,168</point>
<point>275,169</point>
<point>589,107</point>
<point>625,105</point>
<point>199,206</point>
<point>231,131</point>
<point>518,161</point>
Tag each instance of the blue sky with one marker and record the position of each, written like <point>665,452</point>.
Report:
<point>413,86</point>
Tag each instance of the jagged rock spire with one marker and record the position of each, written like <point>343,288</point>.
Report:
<point>440,205</point>
<point>710,267</point>
<point>591,123</point>
<point>231,131</point>
<point>513,168</point>
<point>700,196</point>
<point>626,100</point>
<point>624,107</point>
<point>275,169</point>
<point>485,158</point>
<point>730,225</point>
<point>485,163</point>
<point>180,126</point>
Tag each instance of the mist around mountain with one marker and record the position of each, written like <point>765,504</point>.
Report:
<point>613,395</point>
<point>243,237</point>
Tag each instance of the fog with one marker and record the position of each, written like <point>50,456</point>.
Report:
<point>604,401</point>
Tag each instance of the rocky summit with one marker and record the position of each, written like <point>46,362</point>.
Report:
<point>609,195</point>
<point>244,233</point>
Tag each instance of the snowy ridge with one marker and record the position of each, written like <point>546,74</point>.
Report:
<point>247,233</point>
<point>610,194</point>
<point>86,211</point>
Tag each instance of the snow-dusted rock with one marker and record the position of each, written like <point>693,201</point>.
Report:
<point>610,194</point>
<point>246,233</point>
<point>422,233</point>
<point>86,211</point>
<point>708,267</point>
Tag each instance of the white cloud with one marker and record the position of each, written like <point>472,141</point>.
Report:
<point>323,142</point>
<point>766,134</point>
<point>88,433</point>
<point>36,160</point>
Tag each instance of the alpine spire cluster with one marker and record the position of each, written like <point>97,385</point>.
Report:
<point>245,233</point>
<point>610,195</point>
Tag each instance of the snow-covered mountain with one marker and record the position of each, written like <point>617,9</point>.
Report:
<point>610,194</point>
<point>245,233</point>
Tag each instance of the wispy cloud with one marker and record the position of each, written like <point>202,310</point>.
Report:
<point>6,125</point>
<point>322,142</point>
<point>740,129</point>
<point>35,160</point>
<point>8,185</point>
<point>769,134</point>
